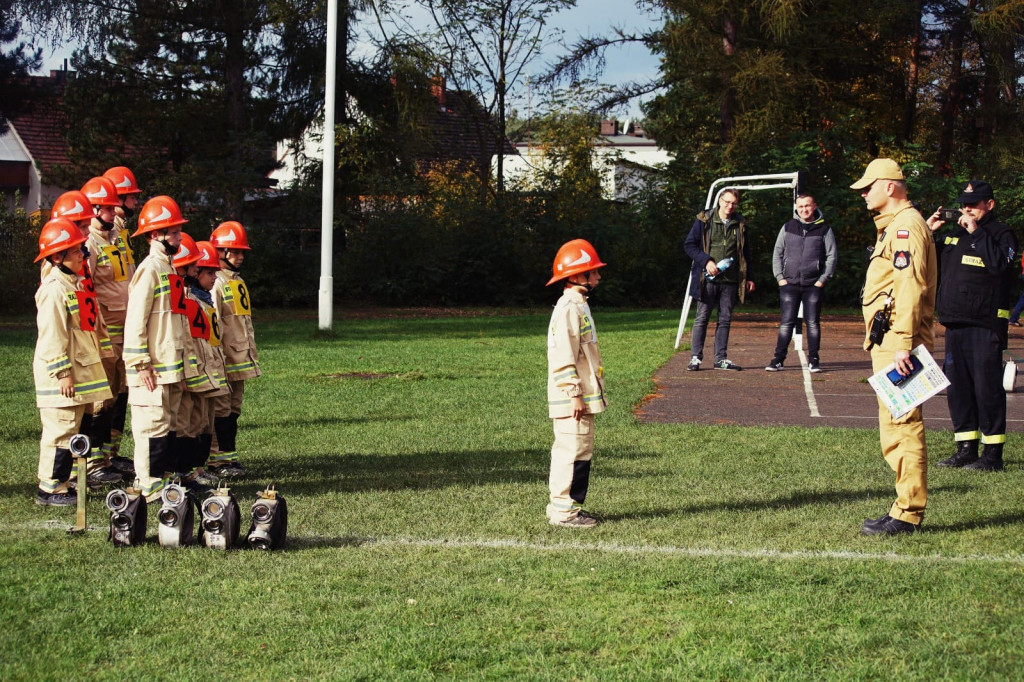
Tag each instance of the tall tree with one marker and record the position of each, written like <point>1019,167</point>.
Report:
<point>485,47</point>
<point>15,62</point>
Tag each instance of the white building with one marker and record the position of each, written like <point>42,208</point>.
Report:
<point>627,159</point>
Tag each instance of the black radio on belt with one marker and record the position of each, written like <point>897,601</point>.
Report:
<point>880,323</point>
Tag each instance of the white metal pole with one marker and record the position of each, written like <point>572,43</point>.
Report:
<point>327,202</point>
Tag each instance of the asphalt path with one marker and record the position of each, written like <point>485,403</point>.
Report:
<point>838,396</point>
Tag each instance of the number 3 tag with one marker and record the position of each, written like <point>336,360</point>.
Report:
<point>86,310</point>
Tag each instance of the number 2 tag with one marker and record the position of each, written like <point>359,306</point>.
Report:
<point>177,290</point>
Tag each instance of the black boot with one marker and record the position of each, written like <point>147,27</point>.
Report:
<point>991,459</point>
<point>966,453</point>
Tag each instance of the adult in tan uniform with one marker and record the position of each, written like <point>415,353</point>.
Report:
<point>575,384</point>
<point>900,283</point>
<point>234,306</point>
<point>112,269</point>
<point>66,365</point>
<point>128,192</point>
<point>154,345</point>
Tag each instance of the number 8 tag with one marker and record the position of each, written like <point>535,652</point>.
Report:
<point>240,303</point>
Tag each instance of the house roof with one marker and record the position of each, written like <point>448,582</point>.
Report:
<point>463,131</point>
<point>40,121</point>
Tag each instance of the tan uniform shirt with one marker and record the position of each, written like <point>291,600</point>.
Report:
<point>231,298</point>
<point>63,344</point>
<point>574,360</point>
<point>211,378</point>
<point>112,265</point>
<point>903,265</point>
<point>153,333</point>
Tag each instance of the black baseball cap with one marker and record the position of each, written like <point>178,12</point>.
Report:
<point>976,190</point>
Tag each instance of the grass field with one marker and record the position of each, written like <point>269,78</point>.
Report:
<point>413,453</point>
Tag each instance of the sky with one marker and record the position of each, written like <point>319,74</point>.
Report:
<point>588,18</point>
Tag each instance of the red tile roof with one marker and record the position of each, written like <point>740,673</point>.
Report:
<point>40,121</point>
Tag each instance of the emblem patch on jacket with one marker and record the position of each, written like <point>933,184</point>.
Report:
<point>902,234</point>
<point>901,259</point>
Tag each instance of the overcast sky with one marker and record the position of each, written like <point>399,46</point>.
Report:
<point>588,18</point>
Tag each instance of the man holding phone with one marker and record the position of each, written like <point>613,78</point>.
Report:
<point>978,259</point>
<point>899,288</point>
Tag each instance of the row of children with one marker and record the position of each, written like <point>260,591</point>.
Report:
<point>172,338</point>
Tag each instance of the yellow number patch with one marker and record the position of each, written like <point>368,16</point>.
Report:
<point>238,293</point>
<point>118,262</point>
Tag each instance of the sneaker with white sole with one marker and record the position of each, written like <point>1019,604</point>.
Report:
<point>814,366</point>
<point>727,364</point>
<point>581,520</point>
<point>774,366</point>
<point>694,364</point>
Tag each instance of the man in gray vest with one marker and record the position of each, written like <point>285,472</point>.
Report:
<point>804,259</point>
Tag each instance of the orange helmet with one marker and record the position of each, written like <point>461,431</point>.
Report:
<point>58,234</point>
<point>230,235</point>
<point>123,179</point>
<point>72,205</point>
<point>208,257</point>
<point>188,252</point>
<point>573,258</point>
<point>101,192</point>
<point>159,213</point>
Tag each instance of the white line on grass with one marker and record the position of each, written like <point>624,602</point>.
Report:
<point>668,550</point>
<point>611,548</point>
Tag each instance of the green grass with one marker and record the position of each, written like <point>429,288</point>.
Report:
<point>413,452</point>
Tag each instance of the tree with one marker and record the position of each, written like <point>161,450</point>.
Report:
<point>15,62</point>
<point>484,47</point>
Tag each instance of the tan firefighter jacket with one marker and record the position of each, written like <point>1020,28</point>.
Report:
<point>231,298</point>
<point>62,344</point>
<point>211,379</point>
<point>112,265</point>
<point>155,335</point>
<point>574,360</point>
<point>903,265</point>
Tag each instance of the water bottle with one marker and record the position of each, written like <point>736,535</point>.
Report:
<point>722,266</point>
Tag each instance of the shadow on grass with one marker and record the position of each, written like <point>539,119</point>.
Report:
<point>796,499</point>
<point>348,473</point>
<point>1016,518</point>
<point>247,423</point>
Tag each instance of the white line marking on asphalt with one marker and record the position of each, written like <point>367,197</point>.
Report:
<point>812,403</point>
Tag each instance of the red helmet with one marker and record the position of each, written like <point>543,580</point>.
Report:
<point>230,235</point>
<point>573,258</point>
<point>208,256</point>
<point>72,205</point>
<point>58,234</point>
<point>123,179</point>
<point>101,192</point>
<point>159,213</point>
<point>188,252</point>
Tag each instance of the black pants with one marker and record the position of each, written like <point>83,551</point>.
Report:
<point>974,367</point>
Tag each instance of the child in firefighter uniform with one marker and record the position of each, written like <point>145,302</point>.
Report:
<point>112,267</point>
<point>575,384</point>
<point>155,334</point>
<point>66,366</point>
<point>78,208</point>
<point>198,266</point>
<point>238,341</point>
<point>128,195</point>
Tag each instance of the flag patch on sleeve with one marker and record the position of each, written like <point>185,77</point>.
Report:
<point>902,234</point>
